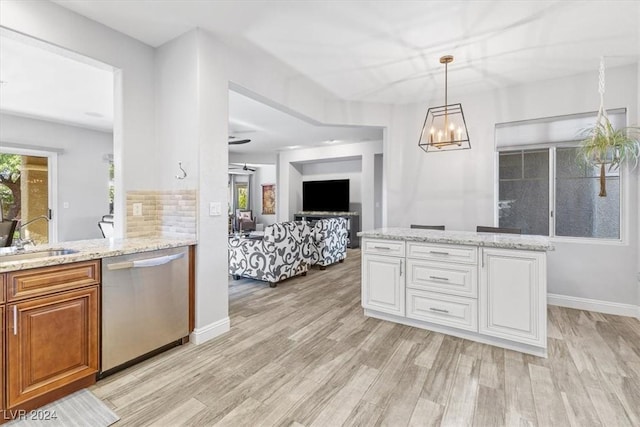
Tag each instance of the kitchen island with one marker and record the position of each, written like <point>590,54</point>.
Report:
<point>485,287</point>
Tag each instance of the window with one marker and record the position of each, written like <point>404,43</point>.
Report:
<point>580,212</point>
<point>526,198</point>
<point>242,191</point>
<point>524,191</point>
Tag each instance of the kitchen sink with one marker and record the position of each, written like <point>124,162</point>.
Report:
<point>35,254</point>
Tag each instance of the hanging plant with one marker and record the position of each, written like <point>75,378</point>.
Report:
<point>606,146</point>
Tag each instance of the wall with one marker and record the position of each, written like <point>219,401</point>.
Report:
<point>378,180</point>
<point>457,188</point>
<point>83,174</point>
<point>263,175</point>
<point>291,172</point>
<point>176,112</point>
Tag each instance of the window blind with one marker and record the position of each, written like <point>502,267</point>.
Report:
<point>551,130</point>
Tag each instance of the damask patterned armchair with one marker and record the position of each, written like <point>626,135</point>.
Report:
<point>330,238</point>
<point>285,251</point>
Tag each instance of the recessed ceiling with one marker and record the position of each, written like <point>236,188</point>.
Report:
<point>271,129</point>
<point>46,83</point>
<point>387,51</point>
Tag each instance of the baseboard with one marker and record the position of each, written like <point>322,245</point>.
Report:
<point>209,332</point>
<point>594,305</point>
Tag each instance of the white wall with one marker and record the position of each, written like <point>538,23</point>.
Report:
<point>291,173</point>
<point>83,174</point>
<point>378,180</point>
<point>176,112</point>
<point>262,175</point>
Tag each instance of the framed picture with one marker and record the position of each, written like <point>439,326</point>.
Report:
<point>268,199</point>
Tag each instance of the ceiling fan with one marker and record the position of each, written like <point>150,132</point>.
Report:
<point>244,168</point>
<point>234,141</point>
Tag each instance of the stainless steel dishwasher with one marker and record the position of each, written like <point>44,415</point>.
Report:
<point>145,305</point>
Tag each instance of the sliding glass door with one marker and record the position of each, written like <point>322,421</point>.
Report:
<point>25,193</point>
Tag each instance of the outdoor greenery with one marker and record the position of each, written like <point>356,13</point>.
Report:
<point>243,198</point>
<point>10,184</point>
<point>605,145</point>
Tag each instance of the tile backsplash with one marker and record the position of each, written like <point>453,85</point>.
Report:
<point>164,213</point>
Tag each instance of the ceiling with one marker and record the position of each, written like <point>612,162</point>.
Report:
<point>388,51</point>
<point>44,82</point>
<point>271,129</point>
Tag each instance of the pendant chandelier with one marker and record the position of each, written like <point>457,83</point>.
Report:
<point>444,127</point>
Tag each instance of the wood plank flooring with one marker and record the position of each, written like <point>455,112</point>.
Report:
<point>303,354</point>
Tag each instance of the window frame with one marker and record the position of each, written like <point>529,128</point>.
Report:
<point>623,176</point>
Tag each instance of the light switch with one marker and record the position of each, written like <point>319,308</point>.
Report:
<point>65,205</point>
<point>215,209</point>
<point>137,209</point>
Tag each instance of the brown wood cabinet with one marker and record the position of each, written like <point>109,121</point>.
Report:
<point>46,280</point>
<point>2,347</point>
<point>2,405</point>
<point>51,333</point>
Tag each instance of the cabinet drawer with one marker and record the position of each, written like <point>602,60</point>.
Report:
<point>454,253</point>
<point>384,247</point>
<point>42,281</point>
<point>448,278</point>
<point>447,310</point>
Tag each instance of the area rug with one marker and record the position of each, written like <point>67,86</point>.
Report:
<point>79,409</point>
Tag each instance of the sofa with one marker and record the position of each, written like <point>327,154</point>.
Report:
<point>285,250</point>
<point>330,241</point>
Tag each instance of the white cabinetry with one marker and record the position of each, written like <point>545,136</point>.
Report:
<point>495,296</point>
<point>513,290</point>
<point>443,309</point>
<point>383,277</point>
<point>442,285</point>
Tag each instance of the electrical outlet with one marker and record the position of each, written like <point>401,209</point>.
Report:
<point>215,209</point>
<point>65,205</point>
<point>137,209</point>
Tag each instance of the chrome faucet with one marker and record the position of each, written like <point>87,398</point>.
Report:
<point>21,242</point>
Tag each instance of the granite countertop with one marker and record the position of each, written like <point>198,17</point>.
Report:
<point>470,238</point>
<point>91,249</point>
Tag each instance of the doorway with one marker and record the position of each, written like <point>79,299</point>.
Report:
<point>27,192</point>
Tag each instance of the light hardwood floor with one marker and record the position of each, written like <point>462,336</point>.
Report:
<point>304,354</point>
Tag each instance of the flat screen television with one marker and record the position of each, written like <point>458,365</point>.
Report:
<point>331,195</point>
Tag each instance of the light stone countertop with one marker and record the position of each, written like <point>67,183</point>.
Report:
<point>470,238</point>
<point>91,249</point>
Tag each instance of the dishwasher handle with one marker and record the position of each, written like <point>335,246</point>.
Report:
<point>148,262</point>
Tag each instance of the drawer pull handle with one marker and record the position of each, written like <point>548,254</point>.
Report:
<point>439,278</point>
<point>439,253</point>
<point>439,310</point>
<point>15,320</point>
<point>382,247</point>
